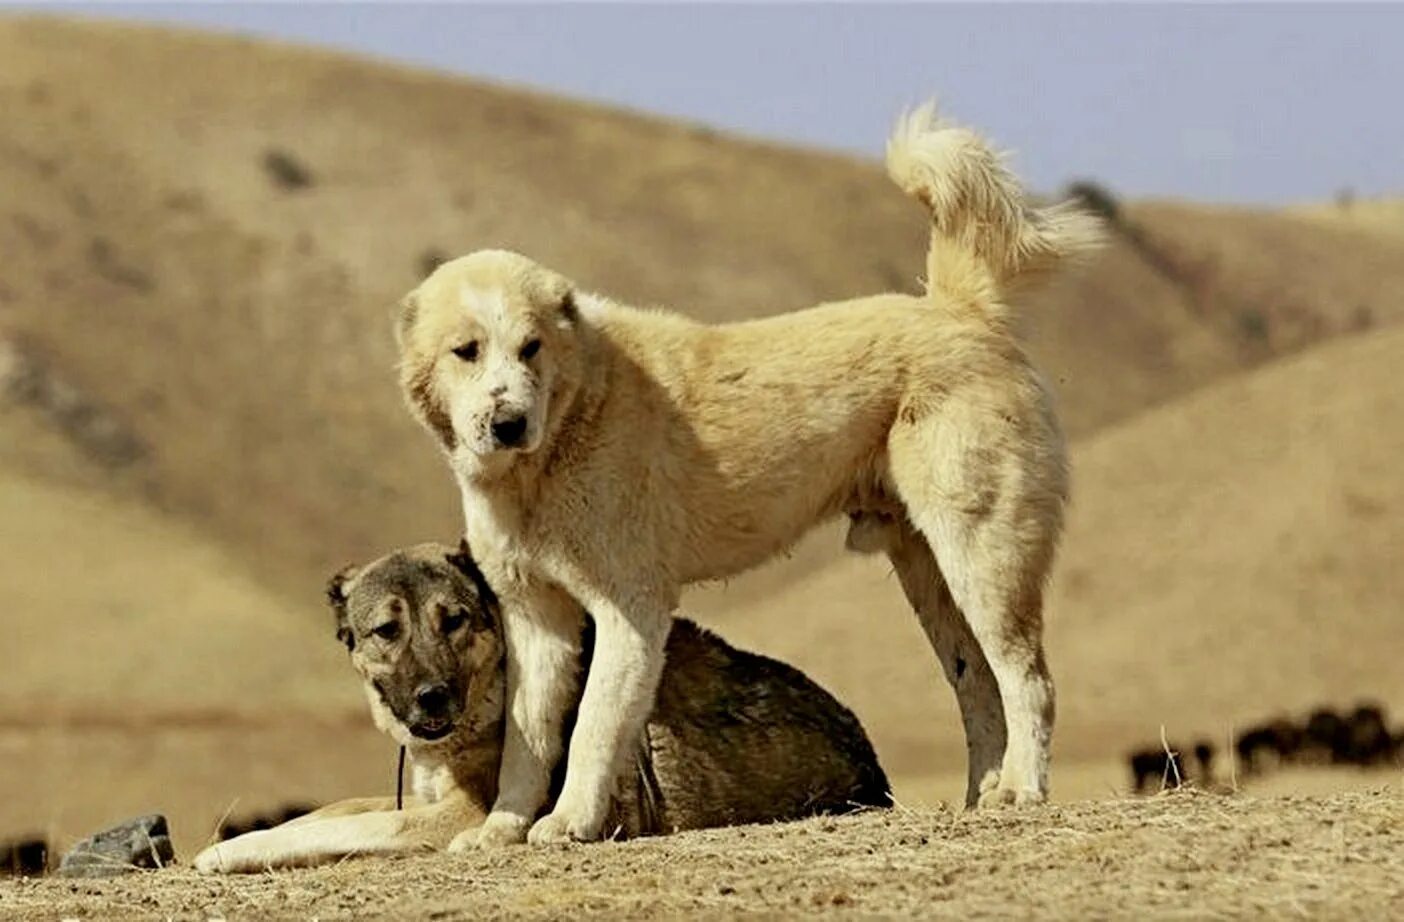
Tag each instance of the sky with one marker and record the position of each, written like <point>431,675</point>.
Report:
<point>1251,103</point>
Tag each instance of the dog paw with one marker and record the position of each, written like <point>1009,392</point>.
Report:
<point>210,861</point>
<point>1011,797</point>
<point>498,829</point>
<point>558,829</point>
<point>465,841</point>
<point>232,857</point>
<point>244,854</point>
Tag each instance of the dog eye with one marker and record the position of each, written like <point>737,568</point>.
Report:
<point>452,621</point>
<point>468,352</point>
<point>387,631</point>
<point>531,348</point>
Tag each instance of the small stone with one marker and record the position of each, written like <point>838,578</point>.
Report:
<point>143,842</point>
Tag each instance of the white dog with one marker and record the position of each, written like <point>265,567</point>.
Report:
<point>608,456</point>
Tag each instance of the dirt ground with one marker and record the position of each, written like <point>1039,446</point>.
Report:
<point>1183,855</point>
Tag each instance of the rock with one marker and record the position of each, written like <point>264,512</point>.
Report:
<point>143,842</point>
<point>24,857</point>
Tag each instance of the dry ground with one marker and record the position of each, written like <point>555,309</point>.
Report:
<point>1188,855</point>
<point>71,777</point>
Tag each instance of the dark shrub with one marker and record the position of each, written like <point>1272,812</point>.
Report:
<point>1096,198</point>
<point>285,170</point>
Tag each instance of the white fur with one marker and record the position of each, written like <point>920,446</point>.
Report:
<point>672,452</point>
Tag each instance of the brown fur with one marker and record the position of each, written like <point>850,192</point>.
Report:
<point>734,737</point>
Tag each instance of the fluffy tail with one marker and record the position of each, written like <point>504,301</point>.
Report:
<point>987,240</point>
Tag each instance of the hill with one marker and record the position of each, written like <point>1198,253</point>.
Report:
<point>93,575</point>
<point>214,258</point>
<point>1385,215</point>
<point>1234,554</point>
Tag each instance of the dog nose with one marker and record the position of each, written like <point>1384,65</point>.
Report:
<point>433,699</point>
<point>509,432</point>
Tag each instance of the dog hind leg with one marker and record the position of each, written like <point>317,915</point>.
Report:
<point>989,499</point>
<point>977,693</point>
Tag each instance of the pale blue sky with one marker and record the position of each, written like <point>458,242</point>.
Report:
<point>1249,103</point>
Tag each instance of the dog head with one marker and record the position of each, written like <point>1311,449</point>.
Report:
<point>423,630</point>
<point>488,352</point>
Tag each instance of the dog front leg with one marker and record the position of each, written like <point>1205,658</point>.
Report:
<point>305,842</point>
<point>619,694</point>
<point>542,629</point>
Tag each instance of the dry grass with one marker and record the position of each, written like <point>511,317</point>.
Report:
<point>1175,856</point>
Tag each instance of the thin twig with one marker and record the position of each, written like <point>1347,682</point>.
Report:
<point>1172,762</point>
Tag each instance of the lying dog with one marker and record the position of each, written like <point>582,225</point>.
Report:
<point>735,737</point>
<point>608,456</point>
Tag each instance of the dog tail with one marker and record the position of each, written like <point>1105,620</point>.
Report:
<point>987,240</point>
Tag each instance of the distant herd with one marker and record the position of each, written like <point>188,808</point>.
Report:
<point>1360,737</point>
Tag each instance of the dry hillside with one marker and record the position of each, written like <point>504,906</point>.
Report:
<point>198,417</point>
<point>236,321</point>
<point>1236,553</point>
<point>1381,216</point>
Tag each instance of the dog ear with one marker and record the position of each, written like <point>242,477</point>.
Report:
<point>336,597</point>
<point>570,313</point>
<point>417,387</point>
<point>551,288</point>
<point>405,313</point>
<point>462,560</point>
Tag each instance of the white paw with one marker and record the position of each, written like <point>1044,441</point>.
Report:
<point>498,829</point>
<point>1017,797</point>
<point>465,841</point>
<point>551,829</point>
<point>211,861</point>
<point>564,826</point>
<point>223,859</point>
<point>246,854</point>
